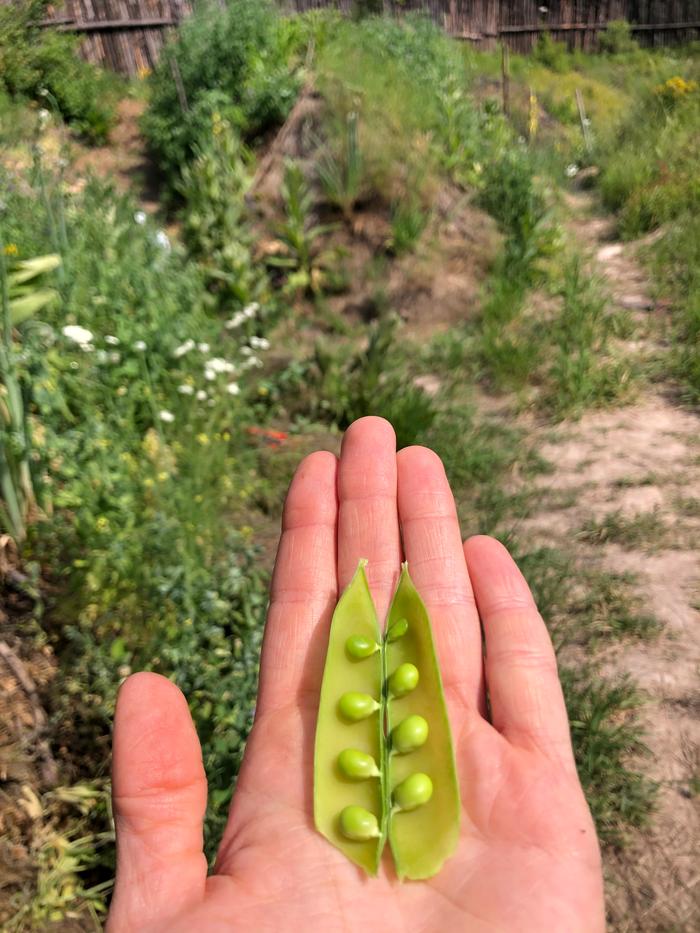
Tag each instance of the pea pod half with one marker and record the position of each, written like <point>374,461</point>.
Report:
<point>384,764</point>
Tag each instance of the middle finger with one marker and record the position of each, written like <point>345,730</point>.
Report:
<point>368,523</point>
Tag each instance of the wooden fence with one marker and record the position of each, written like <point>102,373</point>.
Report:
<point>127,35</point>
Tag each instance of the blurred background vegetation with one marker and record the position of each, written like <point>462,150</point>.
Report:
<point>162,372</point>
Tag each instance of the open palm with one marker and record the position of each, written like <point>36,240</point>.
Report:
<point>528,856</point>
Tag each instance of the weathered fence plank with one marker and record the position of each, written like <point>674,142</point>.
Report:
<point>127,35</point>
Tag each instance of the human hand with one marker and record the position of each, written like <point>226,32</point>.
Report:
<point>528,857</point>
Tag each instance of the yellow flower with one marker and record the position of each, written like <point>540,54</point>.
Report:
<point>102,523</point>
<point>11,249</point>
<point>203,439</point>
<point>162,476</point>
<point>148,482</point>
<point>199,497</point>
<point>143,72</point>
<point>226,436</point>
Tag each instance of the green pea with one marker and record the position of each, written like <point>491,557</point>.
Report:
<point>359,824</point>
<point>413,792</point>
<point>357,706</point>
<point>397,630</point>
<point>357,765</point>
<point>359,647</point>
<point>410,734</point>
<point>404,679</point>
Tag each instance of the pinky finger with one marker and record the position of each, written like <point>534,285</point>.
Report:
<point>527,702</point>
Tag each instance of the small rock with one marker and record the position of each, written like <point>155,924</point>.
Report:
<point>609,252</point>
<point>429,384</point>
<point>636,303</point>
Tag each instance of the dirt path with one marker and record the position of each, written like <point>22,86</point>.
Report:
<point>633,475</point>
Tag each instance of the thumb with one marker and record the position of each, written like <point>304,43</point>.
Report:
<point>159,793</point>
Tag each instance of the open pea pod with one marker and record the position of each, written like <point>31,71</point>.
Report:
<point>348,789</point>
<point>384,761</point>
<point>423,836</point>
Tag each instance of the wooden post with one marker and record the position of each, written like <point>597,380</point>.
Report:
<point>505,76</point>
<point>585,123</point>
<point>177,78</point>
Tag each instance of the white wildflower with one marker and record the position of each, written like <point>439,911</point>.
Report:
<point>251,310</point>
<point>140,218</point>
<point>238,318</point>
<point>162,240</point>
<point>218,365</point>
<point>80,335</point>
<point>571,170</point>
<point>246,351</point>
<point>232,388</point>
<point>112,341</point>
<point>209,375</point>
<point>185,389</point>
<point>260,343</point>
<point>203,347</point>
<point>201,395</point>
<point>101,356</point>
<point>140,345</point>
<point>166,416</point>
<point>114,357</point>
<point>44,117</point>
<point>252,362</point>
<point>183,348</point>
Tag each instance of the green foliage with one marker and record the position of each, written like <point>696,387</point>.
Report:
<point>651,166</point>
<point>550,53</point>
<point>138,442</point>
<point>581,374</point>
<point>617,39</point>
<point>350,386</point>
<point>228,61</point>
<point>20,300</point>
<point>408,221</point>
<point>675,262</point>
<point>605,732</point>
<point>297,248</point>
<point>646,530</point>
<point>215,229</point>
<point>42,64</point>
<point>340,169</point>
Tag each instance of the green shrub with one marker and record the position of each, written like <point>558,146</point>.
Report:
<point>550,53</point>
<point>229,61</point>
<point>42,64</point>
<point>617,39</point>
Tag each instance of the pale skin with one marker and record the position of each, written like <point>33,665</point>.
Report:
<point>528,858</point>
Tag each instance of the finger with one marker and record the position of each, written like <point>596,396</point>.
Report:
<point>159,794</point>
<point>433,548</point>
<point>304,587</point>
<point>368,524</point>
<point>526,698</point>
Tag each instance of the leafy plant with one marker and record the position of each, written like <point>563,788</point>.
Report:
<point>341,174</point>
<point>21,299</point>
<point>408,221</point>
<point>297,248</point>
<point>214,215</point>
